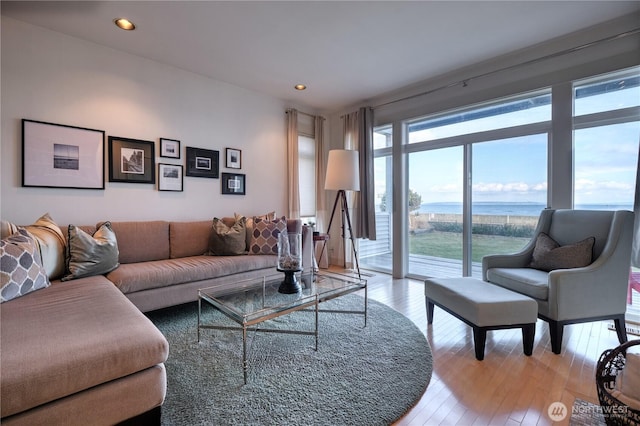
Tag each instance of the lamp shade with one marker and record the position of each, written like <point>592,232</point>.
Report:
<point>343,170</point>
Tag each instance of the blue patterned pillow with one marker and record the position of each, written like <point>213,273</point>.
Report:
<point>21,269</point>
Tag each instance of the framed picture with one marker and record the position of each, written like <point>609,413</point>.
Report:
<point>60,156</point>
<point>234,184</point>
<point>203,163</point>
<point>131,160</point>
<point>169,177</point>
<point>169,148</point>
<point>234,158</point>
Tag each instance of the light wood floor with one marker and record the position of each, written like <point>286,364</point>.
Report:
<point>507,388</point>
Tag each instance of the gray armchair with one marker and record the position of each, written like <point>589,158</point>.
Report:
<point>566,296</point>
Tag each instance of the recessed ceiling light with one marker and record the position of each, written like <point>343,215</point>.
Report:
<point>125,24</point>
<point>300,87</point>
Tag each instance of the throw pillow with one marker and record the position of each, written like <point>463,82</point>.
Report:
<point>264,238</point>
<point>227,240</point>
<point>251,220</point>
<point>628,380</point>
<point>549,255</point>
<point>50,240</point>
<point>21,269</point>
<point>88,255</point>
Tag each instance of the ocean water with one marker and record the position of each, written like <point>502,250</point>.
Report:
<point>512,209</point>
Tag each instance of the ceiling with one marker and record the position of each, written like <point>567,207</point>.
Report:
<point>345,52</point>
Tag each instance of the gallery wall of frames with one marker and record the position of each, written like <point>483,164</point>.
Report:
<point>63,156</point>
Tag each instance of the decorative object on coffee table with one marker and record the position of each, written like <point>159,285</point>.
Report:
<point>289,261</point>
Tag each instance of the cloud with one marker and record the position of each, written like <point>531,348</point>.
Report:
<point>521,187</point>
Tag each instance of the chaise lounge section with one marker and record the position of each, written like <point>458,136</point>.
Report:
<point>81,351</point>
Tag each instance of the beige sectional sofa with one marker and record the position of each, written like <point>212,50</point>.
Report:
<point>82,351</point>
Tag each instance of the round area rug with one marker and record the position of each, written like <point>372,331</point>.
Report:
<point>360,375</point>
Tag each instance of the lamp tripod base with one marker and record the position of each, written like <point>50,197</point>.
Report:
<point>290,285</point>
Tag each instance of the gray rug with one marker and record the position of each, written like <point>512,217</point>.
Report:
<point>363,376</point>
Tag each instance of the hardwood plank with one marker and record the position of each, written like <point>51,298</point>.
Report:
<point>507,388</point>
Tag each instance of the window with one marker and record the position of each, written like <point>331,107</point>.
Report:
<point>606,138</point>
<point>307,167</point>
<point>454,221</point>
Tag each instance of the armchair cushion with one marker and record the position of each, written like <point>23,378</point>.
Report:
<point>530,282</point>
<point>549,255</point>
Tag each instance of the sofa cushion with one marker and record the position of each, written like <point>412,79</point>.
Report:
<point>527,281</point>
<point>549,255</point>
<point>142,241</point>
<point>21,269</point>
<point>228,240</point>
<point>264,238</point>
<point>134,277</point>
<point>189,238</point>
<point>89,255</point>
<point>70,337</point>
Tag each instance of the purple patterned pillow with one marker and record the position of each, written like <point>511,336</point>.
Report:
<point>264,238</point>
<point>21,269</point>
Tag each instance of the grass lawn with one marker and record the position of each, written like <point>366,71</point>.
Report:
<point>449,245</point>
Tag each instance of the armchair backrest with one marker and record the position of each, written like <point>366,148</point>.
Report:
<point>571,226</point>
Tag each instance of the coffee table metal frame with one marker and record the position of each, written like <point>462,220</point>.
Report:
<point>317,288</point>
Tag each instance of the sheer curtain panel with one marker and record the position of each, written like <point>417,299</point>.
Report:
<point>293,181</point>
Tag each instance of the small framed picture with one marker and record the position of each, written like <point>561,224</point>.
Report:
<point>203,163</point>
<point>60,156</point>
<point>234,184</point>
<point>131,160</point>
<point>169,148</point>
<point>234,158</point>
<point>169,177</point>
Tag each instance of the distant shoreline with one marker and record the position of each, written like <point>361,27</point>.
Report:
<point>508,209</point>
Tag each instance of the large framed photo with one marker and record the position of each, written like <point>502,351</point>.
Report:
<point>61,156</point>
<point>203,163</point>
<point>169,177</point>
<point>234,158</point>
<point>131,160</point>
<point>234,184</point>
<point>169,148</point>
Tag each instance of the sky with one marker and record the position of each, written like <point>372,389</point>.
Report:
<point>515,170</point>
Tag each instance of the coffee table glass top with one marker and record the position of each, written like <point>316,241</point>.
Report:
<point>255,300</point>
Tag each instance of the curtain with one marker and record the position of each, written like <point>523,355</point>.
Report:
<point>293,181</point>
<point>321,171</point>
<point>365,199</point>
<point>635,254</point>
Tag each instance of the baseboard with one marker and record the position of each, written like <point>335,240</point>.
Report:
<point>632,328</point>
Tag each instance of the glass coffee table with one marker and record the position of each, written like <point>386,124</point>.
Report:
<point>252,302</point>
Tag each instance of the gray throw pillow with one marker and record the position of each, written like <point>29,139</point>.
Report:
<point>549,255</point>
<point>228,240</point>
<point>22,271</point>
<point>89,255</point>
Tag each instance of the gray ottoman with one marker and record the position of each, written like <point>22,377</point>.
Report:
<point>484,306</point>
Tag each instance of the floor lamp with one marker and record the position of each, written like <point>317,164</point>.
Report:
<point>343,174</point>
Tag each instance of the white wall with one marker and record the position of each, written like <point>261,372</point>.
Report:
<point>48,76</point>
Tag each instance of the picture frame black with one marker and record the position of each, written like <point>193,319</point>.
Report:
<point>62,156</point>
<point>234,184</point>
<point>203,163</point>
<point>170,177</point>
<point>131,160</point>
<point>234,158</point>
<point>169,148</point>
